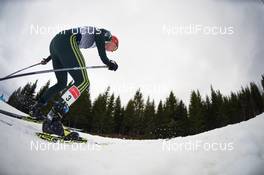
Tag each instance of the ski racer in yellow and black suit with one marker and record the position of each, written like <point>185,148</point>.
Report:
<point>65,53</point>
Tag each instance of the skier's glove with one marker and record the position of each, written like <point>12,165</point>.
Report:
<point>45,60</point>
<point>112,65</point>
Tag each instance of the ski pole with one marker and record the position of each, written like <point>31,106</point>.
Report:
<point>51,70</point>
<point>23,69</point>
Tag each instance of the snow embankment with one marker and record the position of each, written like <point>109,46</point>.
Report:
<point>233,150</point>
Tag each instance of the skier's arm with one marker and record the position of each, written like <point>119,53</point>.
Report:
<point>100,44</point>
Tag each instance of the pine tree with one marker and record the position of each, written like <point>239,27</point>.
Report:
<point>246,104</point>
<point>209,118</point>
<point>256,98</point>
<point>108,127</point>
<point>129,119</point>
<point>139,113</point>
<point>219,120</point>
<point>158,120</point>
<point>14,99</point>
<point>235,110</point>
<point>118,116</point>
<point>99,111</point>
<point>23,98</point>
<point>171,107</point>
<point>170,116</point>
<point>197,113</point>
<point>148,119</point>
<point>42,91</point>
<point>181,127</point>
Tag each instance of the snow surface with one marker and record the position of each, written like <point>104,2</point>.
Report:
<point>233,150</point>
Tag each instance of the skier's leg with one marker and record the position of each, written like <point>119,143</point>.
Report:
<point>35,111</point>
<point>53,124</point>
<point>80,77</point>
<point>70,56</point>
<point>73,58</point>
<point>60,85</point>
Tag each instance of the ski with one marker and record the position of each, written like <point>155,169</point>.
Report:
<point>72,137</point>
<point>18,116</point>
<point>31,119</point>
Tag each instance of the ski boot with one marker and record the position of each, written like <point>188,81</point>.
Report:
<point>35,111</point>
<point>52,124</point>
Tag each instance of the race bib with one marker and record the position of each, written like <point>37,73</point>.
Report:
<point>71,95</point>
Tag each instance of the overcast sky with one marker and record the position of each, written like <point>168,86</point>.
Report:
<point>159,51</point>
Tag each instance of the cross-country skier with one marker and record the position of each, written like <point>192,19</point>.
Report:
<point>65,53</point>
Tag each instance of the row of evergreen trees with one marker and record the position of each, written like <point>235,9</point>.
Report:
<point>143,119</point>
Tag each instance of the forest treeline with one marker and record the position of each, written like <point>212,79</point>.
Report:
<point>144,119</point>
